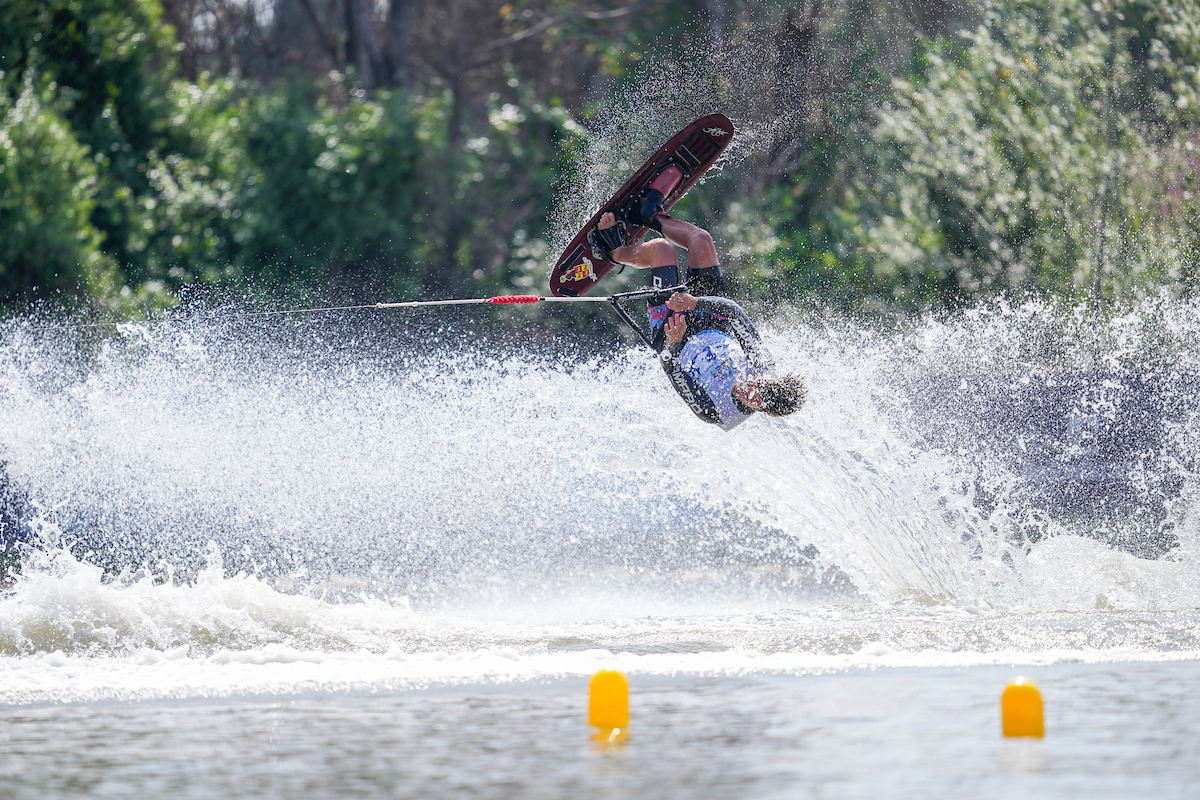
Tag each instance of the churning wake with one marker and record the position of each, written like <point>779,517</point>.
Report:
<point>466,481</point>
<point>1010,459</point>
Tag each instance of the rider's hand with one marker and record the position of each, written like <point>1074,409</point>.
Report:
<point>675,328</point>
<point>681,301</point>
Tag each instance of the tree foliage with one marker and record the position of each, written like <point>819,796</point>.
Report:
<point>48,244</point>
<point>916,153</point>
<point>1046,149</point>
<point>310,184</point>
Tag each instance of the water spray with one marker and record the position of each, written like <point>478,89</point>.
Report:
<point>525,299</point>
<point>503,299</point>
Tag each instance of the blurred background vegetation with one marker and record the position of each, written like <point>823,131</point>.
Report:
<point>905,153</point>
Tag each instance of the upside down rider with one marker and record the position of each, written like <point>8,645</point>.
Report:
<point>708,347</point>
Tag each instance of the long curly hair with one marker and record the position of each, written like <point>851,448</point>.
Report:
<point>782,396</point>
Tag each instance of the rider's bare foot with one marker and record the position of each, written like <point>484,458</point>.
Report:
<point>607,220</point>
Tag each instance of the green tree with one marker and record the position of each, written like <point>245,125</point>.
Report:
<point>320,189</point>
<point>331,192</point>
<point>1035,156</point>
<point>109,63</point>
<point>486,205</point>
<point>199,213</point>
<point>48,245</point>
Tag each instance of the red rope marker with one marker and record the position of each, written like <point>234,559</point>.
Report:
<point>514,298</point>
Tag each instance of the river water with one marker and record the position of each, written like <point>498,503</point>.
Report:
<point>326,556</point>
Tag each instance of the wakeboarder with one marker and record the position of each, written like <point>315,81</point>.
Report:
<point>708,347</point>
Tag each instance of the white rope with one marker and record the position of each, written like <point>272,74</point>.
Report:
<point>497,300</point>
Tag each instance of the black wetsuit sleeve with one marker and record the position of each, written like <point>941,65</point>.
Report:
<point>735,322</point>
<point>690,389</point>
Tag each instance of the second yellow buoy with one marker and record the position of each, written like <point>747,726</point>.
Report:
<point>1021,709</point>
<point>608,702</point>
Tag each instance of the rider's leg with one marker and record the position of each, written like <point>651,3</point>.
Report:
<point>646,208</point>
<point>702,253</point>
<point>647,255</point>
<point>656,255</point>
<point>704,270</point>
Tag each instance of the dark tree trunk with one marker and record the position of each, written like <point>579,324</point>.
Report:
<point>401,20</point>
<point>362,45</point>
<point>456,226</point>
<point>325,35</point>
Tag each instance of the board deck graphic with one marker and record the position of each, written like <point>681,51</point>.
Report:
<point>694,150</point>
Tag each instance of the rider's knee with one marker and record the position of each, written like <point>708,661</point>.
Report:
<point>659,252</point>
<point>700,239</point>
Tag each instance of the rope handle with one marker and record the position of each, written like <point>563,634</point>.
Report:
<point>510,299</point>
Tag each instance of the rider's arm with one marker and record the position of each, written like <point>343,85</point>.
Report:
<point>674,331</point>
<point>738,324</point>
<point>689,389</point>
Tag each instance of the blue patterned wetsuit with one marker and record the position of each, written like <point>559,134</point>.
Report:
<point>719,348</point>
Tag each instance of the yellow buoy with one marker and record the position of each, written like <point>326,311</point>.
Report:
<point>1021,709</point>
<point>608,700</point>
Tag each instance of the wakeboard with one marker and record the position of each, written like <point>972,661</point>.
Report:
<point>693,151</point>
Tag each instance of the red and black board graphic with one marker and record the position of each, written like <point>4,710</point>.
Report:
<point>694,150</point>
